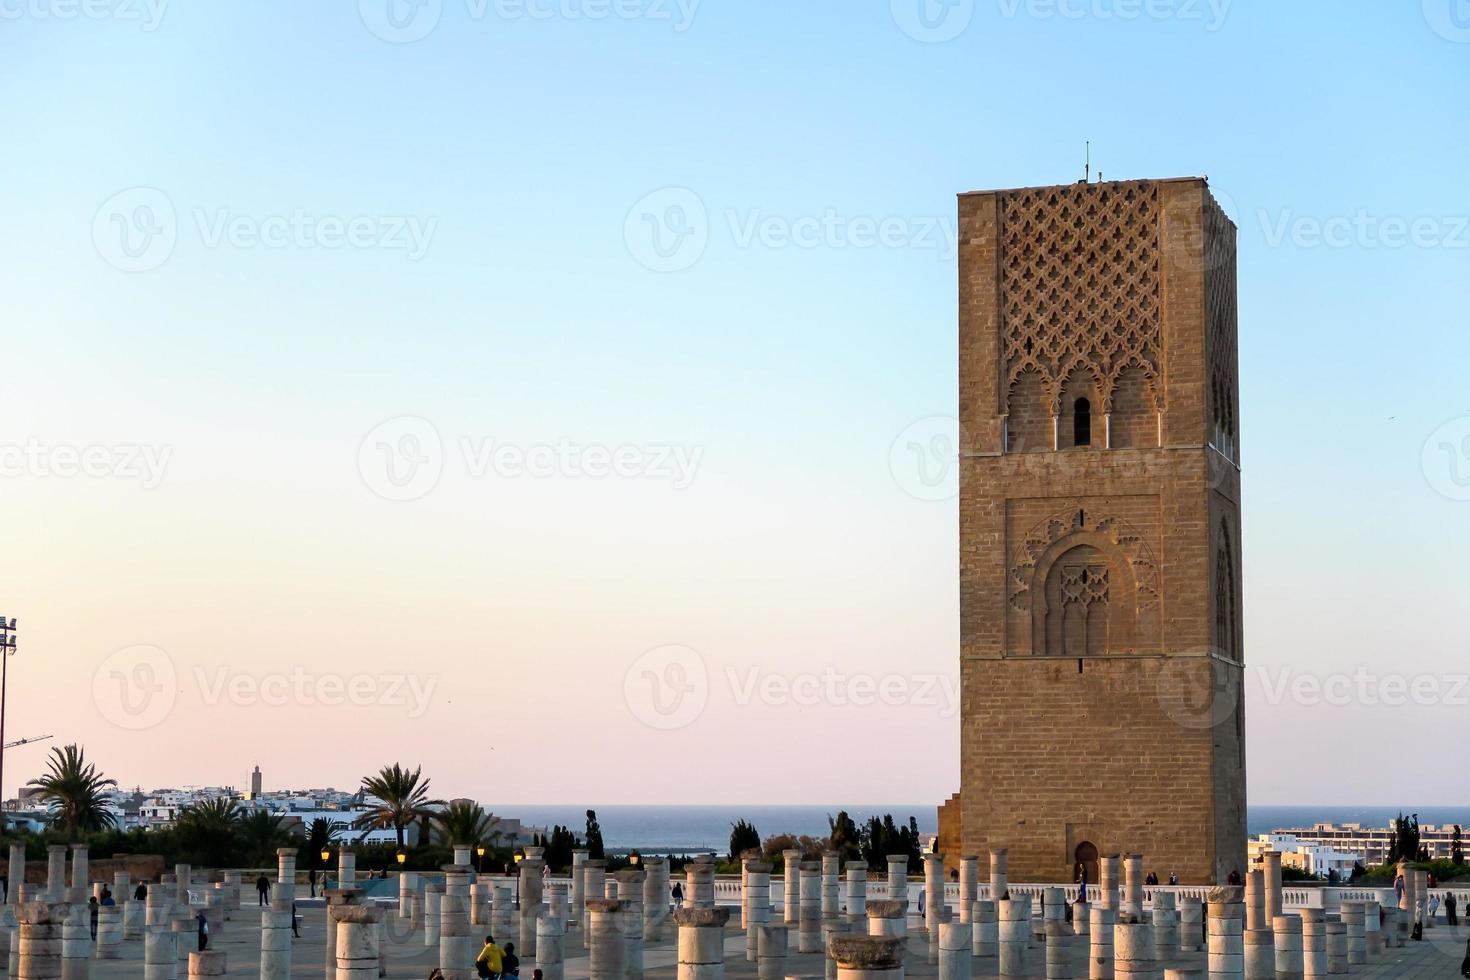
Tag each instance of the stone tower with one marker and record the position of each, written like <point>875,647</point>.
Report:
<point>1100,621</point>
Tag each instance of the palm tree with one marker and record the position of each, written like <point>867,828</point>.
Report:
<point>321,835</point>
<point>208,829</point>
<point>75,788</point>
<point>260,834</point>
<point>404,798</point>
<point>462,822</point>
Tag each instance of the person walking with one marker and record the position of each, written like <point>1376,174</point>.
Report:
<point>295,922</point>
<point>311,880</point>
<point>678,892</point>
<point>1451,905</point>
<point>263,890</point>
<point>490,960</point>
<point>1433,909</point>
<point>203,924</point>
<point>140,894</point>
<point>1398,888</point>
<point>92,911</point>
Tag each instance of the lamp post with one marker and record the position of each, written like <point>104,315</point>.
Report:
<point>7,650</point>
<point>402,857</point>
<point>479,855</point>
<point>633,858</point>
<point>519,856</point>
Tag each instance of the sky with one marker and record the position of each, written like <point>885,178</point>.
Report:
<point>524,388</point>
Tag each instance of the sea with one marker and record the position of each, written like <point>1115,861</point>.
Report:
<point>693,829</point>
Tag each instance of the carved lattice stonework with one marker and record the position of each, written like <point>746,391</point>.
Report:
<point>1080,284</point>
<point>1140,559</point>
<point>1221,314</point>
<point>1084,584</point>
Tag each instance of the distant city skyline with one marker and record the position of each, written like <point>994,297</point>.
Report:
<point>566,403</point>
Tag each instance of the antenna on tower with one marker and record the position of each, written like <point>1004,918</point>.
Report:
<point>1087,170</point>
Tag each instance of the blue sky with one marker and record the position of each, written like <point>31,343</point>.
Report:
<point>500,286</point>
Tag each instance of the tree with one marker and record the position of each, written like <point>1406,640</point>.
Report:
<point>321,835</point>
<point>743,837</point>
<point>207,831</point>
<point>74,788</point>
<point>403,798</point>
<point>881,838</point>
<point>261,832</point>
<point>1457,846</point>
<point>594,837</point>
<point>462,822</point>
<point>558,846</point>
<point>843,835</point>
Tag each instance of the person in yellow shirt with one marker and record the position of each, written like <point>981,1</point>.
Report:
<point>489,962</point>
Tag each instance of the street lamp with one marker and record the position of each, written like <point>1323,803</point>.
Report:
<point>634,858</point>
<point>326,855</point>
<point>7,650</point>
<point>402,856</point>
<point>479,854</point>
<point>519,857</point>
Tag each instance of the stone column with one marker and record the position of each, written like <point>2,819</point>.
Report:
<point>831,884</point>
<point>480,893</point>
<point>857,893</point>
<point>1255,901</point>
<point>956,961</point>
<point>1184,973</point>
<point>1372,928</point>
<point>1081,917</point>
<point>551,933</point>
<point>655,898</point>
<point>1337,948</point>
<point>217,905</point>
<point>898,879</point>
<point>275,943</point>
<point>757,900</point>
<point>457,946</point>
<point>1133,947</point>
<point>407,887</point>
<point>999,864</point>
<point>1314,942</point>
<point>809,912</point>
<point>185,932</point>
<point>17,874</point>
<point>934,904</point>
<point>232,888</point>
<point>284,895</point>
<point>1132,885</point>
<point>1260,954</point>
<point>868,957</point>
<point>160,953</point>
<point>830,928</point>
<point>210,963</point>
<point>531,866</point>
<point>557,903</point>
<point>594,877</point>
<point>1166,926</point>
<point>56,873</point>
<point>1014,916</point>
<point>336,898</point>
<point>76,937</point>
<point>630,897</point>
<point>1273,885</point>
<point>39,939</point>
<point>502,913</point>
<point>771,953</point>
<point>184,876</point>
<point>698,882</point>
<point>701,943</point>
<point>608,958</point>
<point>1107,881</point>
<point>1354,916</point>
<point>79,875</point>
<point>791,885</point>
<point>984,932</point>
<point>1287,931</point>
<point>1060,942</point>
<point>579,886</point>
<point>358,944</point>
<point>133,917</point>
<point>1102,921</point>
<point>887,918</point>
<point>969,880</point>
<point>346,867</point>
<point>433,906</point>
<point>1226,932</point>
<point>159,904</point>
<point>1421,897</point>
<point>109,932</point>
<point>1191,924</point>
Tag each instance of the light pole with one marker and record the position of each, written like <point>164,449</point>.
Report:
<point>7,650</point>
<point>479,855</point>
<point>519,855</point>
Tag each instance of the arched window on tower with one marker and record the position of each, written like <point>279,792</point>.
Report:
<point>1082,422</point>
